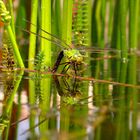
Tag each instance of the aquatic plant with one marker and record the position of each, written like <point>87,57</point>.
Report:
<point>56,30</point>
<point>6,18</point>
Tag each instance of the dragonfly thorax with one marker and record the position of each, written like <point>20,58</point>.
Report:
<point>73,55</point>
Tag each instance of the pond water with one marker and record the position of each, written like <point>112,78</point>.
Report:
<point>100,104</point>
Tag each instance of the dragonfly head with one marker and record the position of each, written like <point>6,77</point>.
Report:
<point>74,55</point>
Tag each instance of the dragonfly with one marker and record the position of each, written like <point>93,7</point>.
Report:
<point>74,56</point>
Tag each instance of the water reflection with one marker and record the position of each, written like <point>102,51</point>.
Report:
<point>78,108</point>
<point>10,86</point>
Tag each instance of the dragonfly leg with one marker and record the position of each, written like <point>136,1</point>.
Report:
<point>65,63</point>
<point>75,68</point>
<point>66,69</point>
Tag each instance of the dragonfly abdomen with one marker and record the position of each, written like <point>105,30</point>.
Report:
<point>57,63</point>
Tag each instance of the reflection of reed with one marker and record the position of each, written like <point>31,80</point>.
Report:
<point>8,85</point>
<point>9,80</point>
<point>4,121</point>
<point>11,85</point>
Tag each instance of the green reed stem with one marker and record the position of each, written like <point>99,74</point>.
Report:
<point>32,46</point>
<point>103,19</point>
<point>6,18</point>
<point>66,35</point>
<point>21,14</point>
<point>123,68</point>
<point>115,39</point>
<point>98,20</point>
<point>89,12</point>
<point>46,25</point>
<point>46,49</point>
<point>124,49</point>
<point>123,13</point>
<point>10,4</point>
<point>67,21</point>
<point>56,24</point>
<point>32,49</point>
<point>133,23</point>
<point>94,33</point>
<point>139,23</point>
<point>132,65</point>
<point>58,16</point>
<point>110,20</point>
<point>15,47</point>
<point>100,17</point>
<point>31,58</point>
<point>102,42</point>
<point>133,37</point>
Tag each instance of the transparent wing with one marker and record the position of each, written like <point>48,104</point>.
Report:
<point>83,49</point>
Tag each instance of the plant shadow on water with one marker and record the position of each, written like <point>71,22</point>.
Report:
<point>80,107</point>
